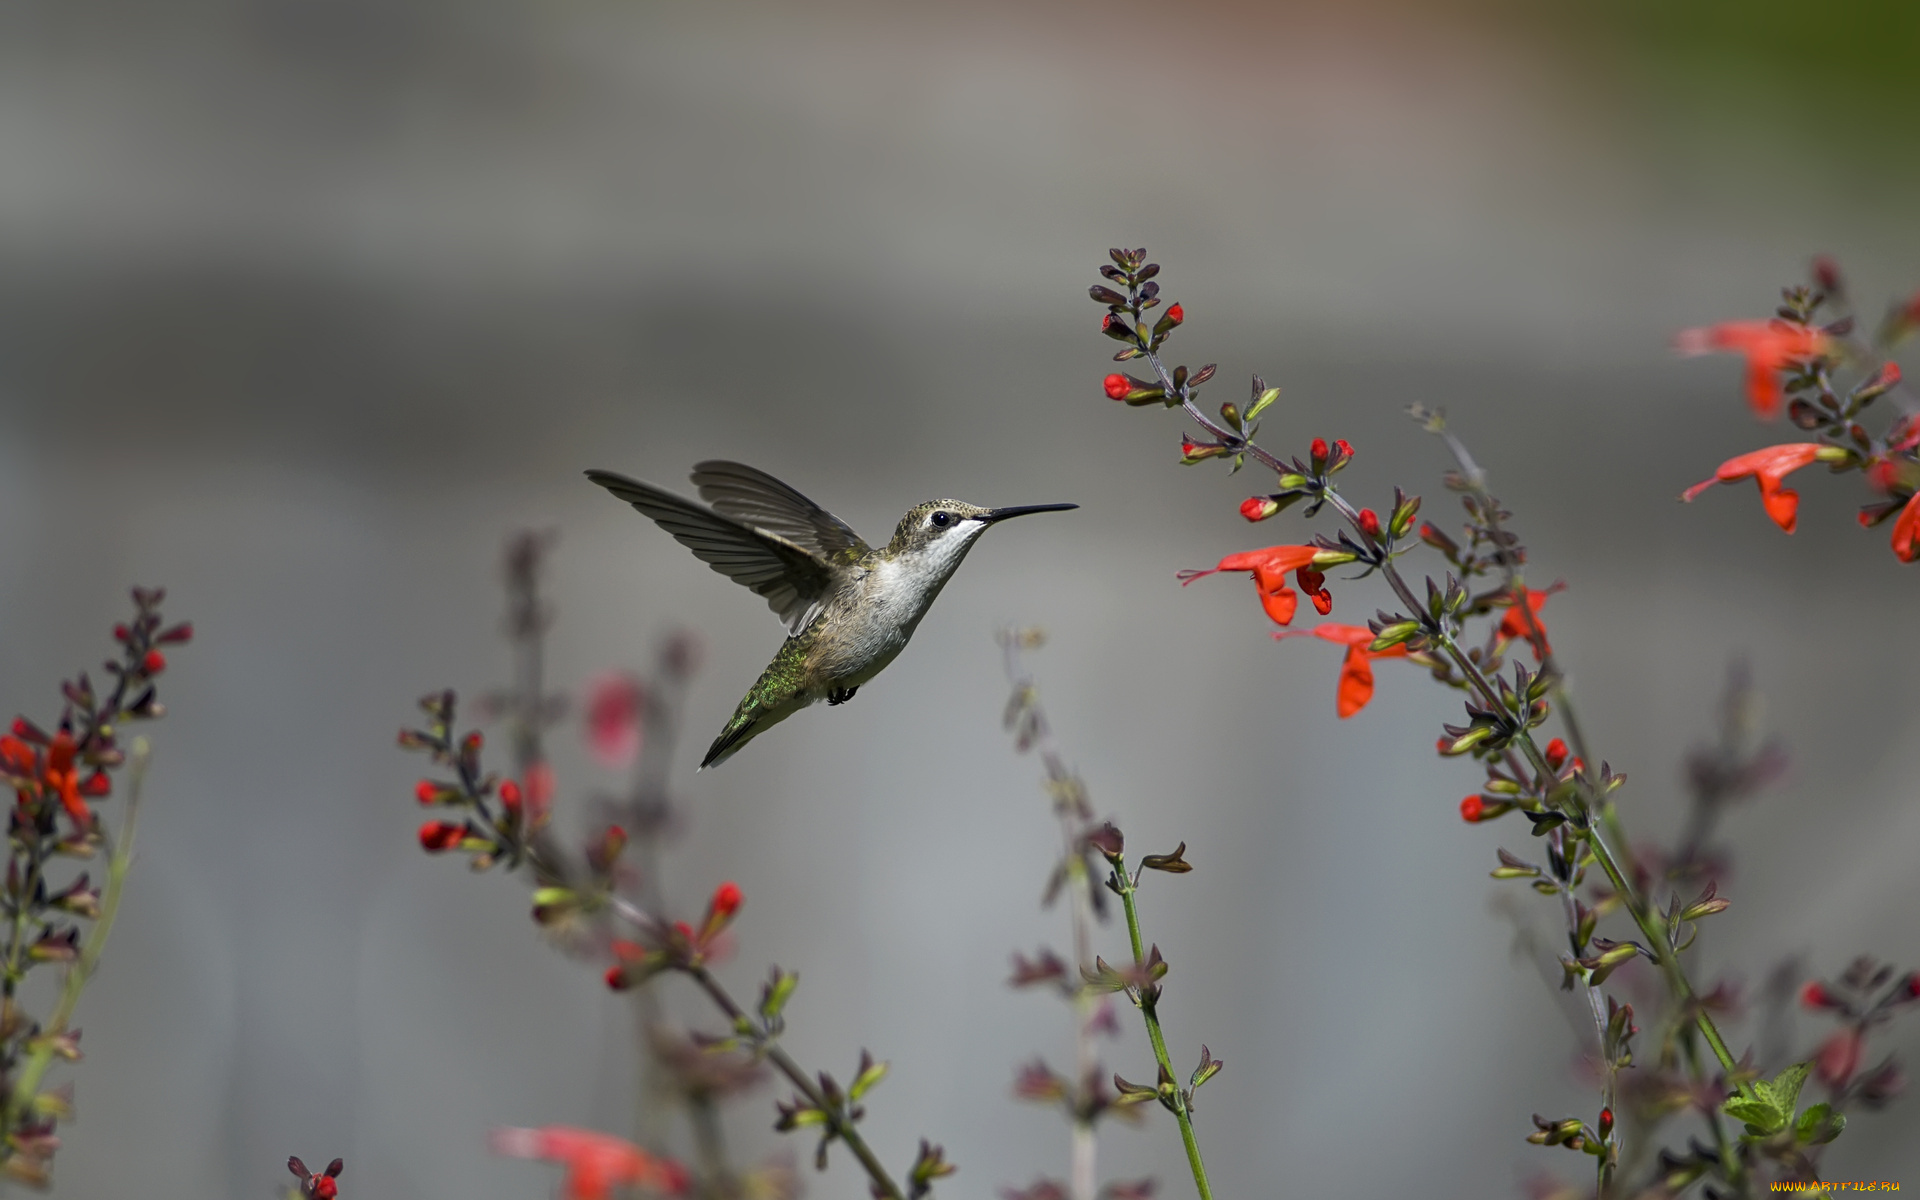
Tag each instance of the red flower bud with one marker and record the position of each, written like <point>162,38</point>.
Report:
<point>1117,387</point>
<point>154,662</point>
<point>426,791</point>
<point>324,1188</point>
<point>436,836</point>
<point>1106,322</point>
<point>1345,448</point>
<point>472,742</point>
<point>27,731</point>
<point>1913,986</point>
<point>1606,1123</point>
<point>1443,745</point>
<point>1556,753</point>
<point>97,784</point>
<point>1815,995</point>
<point>182,632</point>
<point>121,633</point>
<point>1471,807</point>
<point>1259,508</point>
<point>1318,450</point>
<point>510,797</point>
<point>726,900</point>
<point>617,978</point>
<point>1369,522</point>
<point>1176,314</point>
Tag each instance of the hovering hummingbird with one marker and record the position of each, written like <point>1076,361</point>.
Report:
<point>849,608</point>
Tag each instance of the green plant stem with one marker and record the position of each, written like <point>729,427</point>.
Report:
<point>841,1125</point>
<point>27,1084</point>
<point>1149,999</point>
<point>1729,1158</point>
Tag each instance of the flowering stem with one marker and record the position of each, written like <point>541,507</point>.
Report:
<point>27,1084</point>
<point>1635,904</point>
<point>1147,996</point>
<point>837,1120</point>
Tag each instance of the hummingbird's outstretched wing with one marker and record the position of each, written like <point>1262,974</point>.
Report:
<point>792,577</point>
<point>758,499</point>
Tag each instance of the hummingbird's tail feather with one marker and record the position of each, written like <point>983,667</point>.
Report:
<point>779,693</point>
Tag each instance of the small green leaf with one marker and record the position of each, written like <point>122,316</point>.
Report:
<point>1761,1115</point>
<point>1786,1088</point>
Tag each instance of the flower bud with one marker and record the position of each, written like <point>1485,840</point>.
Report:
<point>436,836</point>
<point>1117,387</point>
<point>1556,753</point>
<point>153,662</point>
<point>1176,314</point>
<point>1471,809</point>
<point>510,798</point>
<point>1318,453</point>
<point>426,791</point>
<point>1369,522</point>
<point>1815,995</point>
<point>1606,1123</point>
<point>1259,508</point>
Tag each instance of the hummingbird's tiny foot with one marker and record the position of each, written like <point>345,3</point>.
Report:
<point>841,695</point>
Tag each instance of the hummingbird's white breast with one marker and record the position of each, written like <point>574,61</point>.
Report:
<point>869,623</point>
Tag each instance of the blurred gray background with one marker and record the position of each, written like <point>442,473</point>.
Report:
<point>307,306</point>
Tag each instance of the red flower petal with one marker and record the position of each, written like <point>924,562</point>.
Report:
<point>1906,531</point>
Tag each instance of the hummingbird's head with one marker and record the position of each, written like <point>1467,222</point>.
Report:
<point>939,532</point>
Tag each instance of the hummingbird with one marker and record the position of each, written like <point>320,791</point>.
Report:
<point>849,608</point>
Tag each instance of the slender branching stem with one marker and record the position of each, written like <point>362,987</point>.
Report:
<point>841,1124</point>
<point>1147,995</point>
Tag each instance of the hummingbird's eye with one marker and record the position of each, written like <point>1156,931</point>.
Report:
<point>942,519</point>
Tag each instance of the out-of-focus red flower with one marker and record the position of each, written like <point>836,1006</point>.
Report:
<point>1769,346</point>
<point>436,836</point>
<point>1471,808</point>
<point>596,1163</point>
<point>1906,531</point>
<point>616,707</point>
<point>1116,386</point>
<point>1356,670</point>
<point>63,779</point>
<point>1524,624</point>
<point>1838,1057</point>
<point>1269,568</point>
<point>1769,468</point>
<point>1815,995</point>
<point>511,798</point>
<point>539,790</point>
<point>153,662</point>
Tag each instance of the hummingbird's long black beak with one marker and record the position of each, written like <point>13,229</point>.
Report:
<point>1021,510</point>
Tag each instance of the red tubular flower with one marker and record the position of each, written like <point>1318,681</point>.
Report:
<point>596,1163</point>
<point>615,705</point>
<point>1524,624</point>
<point>1269,568</point>
<point>436,836</point>
<point>1769,346</point>
<point>1117,387</point>
<point>1356,670</point>
<point>1769,468</point>
<point>1906,531</point>
<point>1471,808</point>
